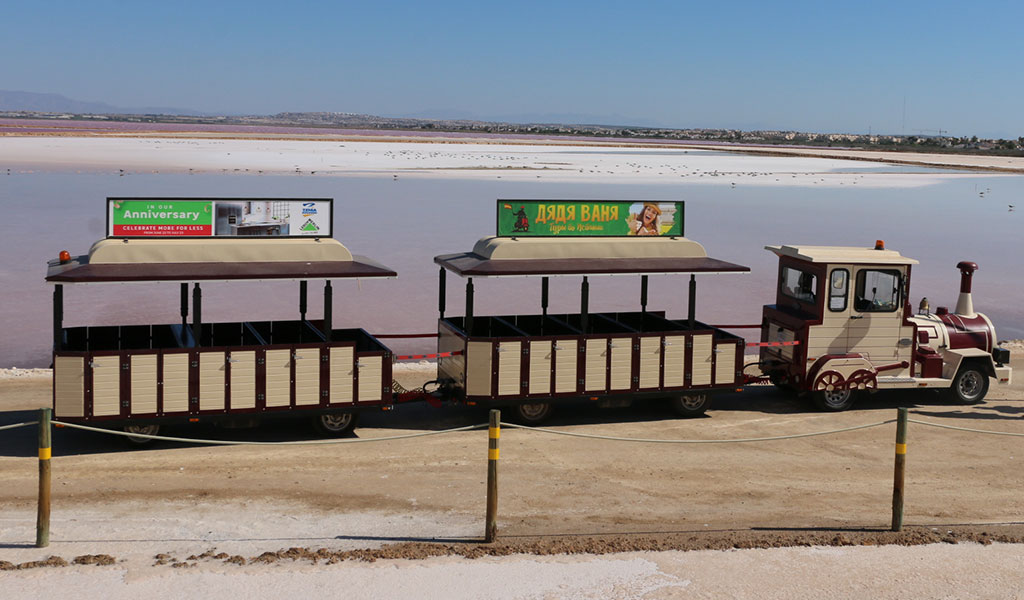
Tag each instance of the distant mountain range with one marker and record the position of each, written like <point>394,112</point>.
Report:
<point>32,101</point>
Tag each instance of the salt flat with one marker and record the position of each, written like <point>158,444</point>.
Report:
<point>481,161</point>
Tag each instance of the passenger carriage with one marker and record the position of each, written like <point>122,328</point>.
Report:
<point>141,376</point>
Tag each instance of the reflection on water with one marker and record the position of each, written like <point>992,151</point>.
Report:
<point>405,223</point>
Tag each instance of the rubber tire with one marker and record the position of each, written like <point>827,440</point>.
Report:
<point>335,424</point>
<point>972,379</point>
<point>532,413</point>
<point>834,401</point>
<point>690,405</point>
<point>146,429</point>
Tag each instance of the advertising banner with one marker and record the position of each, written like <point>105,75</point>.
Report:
<point>608,218</point>
<point>213,217</point>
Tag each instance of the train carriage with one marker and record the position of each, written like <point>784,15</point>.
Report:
<point>532,361</point>
<point>141,376</point>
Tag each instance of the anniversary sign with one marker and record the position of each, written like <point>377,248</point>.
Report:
<point>611,218</point>
<point>216,217</point>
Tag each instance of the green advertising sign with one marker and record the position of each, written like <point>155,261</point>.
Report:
<point>219,217</point>
<point>160,217</point>
<point>609,218</point>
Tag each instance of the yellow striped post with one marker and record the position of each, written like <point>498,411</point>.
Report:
<point>43,514</point>
<point>493,435</point>
<point>901,462</point>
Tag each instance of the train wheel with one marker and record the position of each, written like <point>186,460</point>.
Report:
<point>690,405</point>
<point>532,414</point>
<point>334,424</point>
<point>143,429</point>
<point>833,400</point>
<point>969,386</point>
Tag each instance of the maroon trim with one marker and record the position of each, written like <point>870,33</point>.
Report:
<point>160,384</point>
<point>261,379</point>
<point>80,271</point>
<point>473,265</point>
<point>124,365</point>
<point>325,376</point>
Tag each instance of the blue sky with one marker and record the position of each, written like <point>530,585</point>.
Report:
<point>809,66</point>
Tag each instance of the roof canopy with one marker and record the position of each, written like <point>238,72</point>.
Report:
<point>842,254</point>
<point>512,257</point>
<point>205,259</point>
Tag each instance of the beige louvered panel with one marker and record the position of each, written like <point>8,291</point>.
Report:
<point>675,360</point>
<point>540,367</point>
<point>622,363</point>
<point>211,380</point>
<point>596,365</point>
<point>725,364</point>
<point>68,386</point>
<point>143,382</point>
<point>370,376</point>
<point>478,369</point>
<point>175,383</point>
<point>307,376</point>
<point>650,362</point>
<point>700,366</point>
<point>343,371</point>
<point>565,366</point>
<point>279,378</point>
<point>106,386</point>
<point>243,379</point>
<point>509,363</point>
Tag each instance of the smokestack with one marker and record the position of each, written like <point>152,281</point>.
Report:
<point>964,304</point>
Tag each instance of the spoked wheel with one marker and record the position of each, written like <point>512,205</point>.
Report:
<point>143,429</point>
<point>969,386</point>
<point>334,424</point>
<point>532,414</point>
<point>833,400</point>
<point>690,405</point>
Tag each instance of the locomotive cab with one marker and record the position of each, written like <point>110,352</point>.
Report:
<point>842,324</point>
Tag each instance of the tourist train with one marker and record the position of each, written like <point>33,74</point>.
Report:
<point>841,325</point>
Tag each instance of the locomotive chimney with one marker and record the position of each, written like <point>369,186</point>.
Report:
<point>964,305</point>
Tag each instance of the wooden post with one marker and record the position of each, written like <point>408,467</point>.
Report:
<point>442,287</point>
<point>901,461</point>
<point>493,434</point>
<point>43,514</point>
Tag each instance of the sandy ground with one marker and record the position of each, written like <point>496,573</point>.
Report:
<point>476,160</point>
<point>237,510</point>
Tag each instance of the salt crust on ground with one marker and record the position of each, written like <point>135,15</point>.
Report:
<point>463,161</point>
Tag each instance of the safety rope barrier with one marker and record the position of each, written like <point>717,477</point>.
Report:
<point>423,356</point>
<point>939,425</point>
<point>244,443</point>
<point>660,441</point>
<point>16,425</point>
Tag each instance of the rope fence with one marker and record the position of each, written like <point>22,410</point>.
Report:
<point>17,425</point>
<point>728,441</point>
<point>494,433</point>
<point>247,443</point>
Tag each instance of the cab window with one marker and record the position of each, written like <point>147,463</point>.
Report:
<point>799,284</point>
<point>839,285</point>
<point>877,291</point>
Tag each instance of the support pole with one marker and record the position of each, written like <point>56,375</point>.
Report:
<point>58,317</point>
<point>43,514</point>
<point>544,296</point>
<point>184,305</point>
<point>197,314</point>
<point>898,471</point>
<point>584,303</point>
<point>643,294</point>
<point>469,306</point>
<point>302,300</point>
<point>442,290</point>
<point>328,309</point>
<point>692,308</point>
<point>493,435</point>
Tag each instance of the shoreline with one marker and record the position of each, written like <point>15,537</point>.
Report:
<point>992,164</point>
